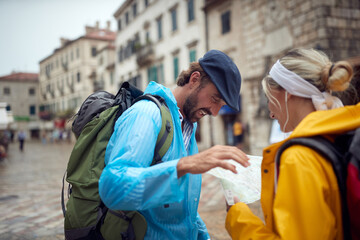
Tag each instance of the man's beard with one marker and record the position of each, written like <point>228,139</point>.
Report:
<point>190,105</point>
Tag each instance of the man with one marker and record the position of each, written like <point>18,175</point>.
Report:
<point>21,138</point>
<point>165,194</point>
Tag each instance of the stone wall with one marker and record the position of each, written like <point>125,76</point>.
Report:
<point>270,28</point>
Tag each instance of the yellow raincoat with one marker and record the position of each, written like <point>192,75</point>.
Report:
<point>307,203</point>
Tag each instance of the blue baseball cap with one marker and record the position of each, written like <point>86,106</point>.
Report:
<point>225,75</point>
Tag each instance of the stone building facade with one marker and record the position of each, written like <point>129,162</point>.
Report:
<point>156,40</point>
<point>105,71</point>
<point>68,76</point>
<point>19,91</point>
<point>262,31</point>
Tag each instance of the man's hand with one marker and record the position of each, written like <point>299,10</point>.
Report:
<point>211,158</point>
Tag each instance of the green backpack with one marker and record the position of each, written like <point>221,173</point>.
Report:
<point>85,215</point>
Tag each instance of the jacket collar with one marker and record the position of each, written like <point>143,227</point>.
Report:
<point>158,89</point>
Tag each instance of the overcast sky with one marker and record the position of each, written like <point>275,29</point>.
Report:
<point>31,29</point>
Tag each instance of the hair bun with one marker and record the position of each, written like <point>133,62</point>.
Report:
<point>337,76</point>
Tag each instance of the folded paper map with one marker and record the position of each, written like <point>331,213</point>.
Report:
<point>246,184</point>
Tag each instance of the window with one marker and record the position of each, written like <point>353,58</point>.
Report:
<point>161,74</point>
<point>119,24</point>
<point>112,78</point>
<point>31,91</point>
<point>152,74</point>
<point>146,3</point>
<point>147,37</point>
<point>127,51</point>
<point>159,26</point>
<point>121,54</point>
<point>176,67</point>
<point>8,108</point>
<point>134,8</point>
<point>156,73</point>
<point>7,91</point>
<point>192,55</point>
<point>127,18</point>
<point>173,19</point>
<point>78,77</point>
<point>225,22</point>
<point>32,110</point>
<point>93,51</point>
<point>134,43</point>
<point>77,52</point>
<point>190,5</point>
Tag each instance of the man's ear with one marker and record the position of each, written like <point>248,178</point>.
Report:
<point>194,80</point>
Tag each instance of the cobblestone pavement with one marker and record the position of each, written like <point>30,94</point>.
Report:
<point>30,194</point>
<point>30,190</point>
<point>212,208</point>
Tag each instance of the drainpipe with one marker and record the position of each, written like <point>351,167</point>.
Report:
<point>211,120</point>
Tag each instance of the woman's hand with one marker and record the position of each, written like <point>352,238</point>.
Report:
<point>236,200</point>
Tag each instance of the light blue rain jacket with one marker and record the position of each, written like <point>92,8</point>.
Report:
<point>128,182</point>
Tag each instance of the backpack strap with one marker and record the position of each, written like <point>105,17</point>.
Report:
<point>165,136</point>
<point>330,152</point>
<point>62,196</point>
<point>166,133</point>
<point>321,145</point>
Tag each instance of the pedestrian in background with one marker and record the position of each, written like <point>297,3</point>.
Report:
<point>303,201</point>
<point>21,139</point>
<point>238,132</point>
<point>167,194</point>
<point>43,137</point>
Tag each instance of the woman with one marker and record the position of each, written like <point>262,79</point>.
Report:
<point>304,201</point>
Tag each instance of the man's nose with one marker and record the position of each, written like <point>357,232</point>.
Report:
<point>215,109</point>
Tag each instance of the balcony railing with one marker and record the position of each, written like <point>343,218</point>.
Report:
<point>145,55</point>
<point>64,65</point>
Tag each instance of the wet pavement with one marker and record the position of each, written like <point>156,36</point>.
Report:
<point>30,194</point>
<point>30,190</point>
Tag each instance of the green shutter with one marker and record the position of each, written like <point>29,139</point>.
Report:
<point>155,75</point>
<point>152,74</point>
<point>192,55</point>
<point>176,67</point>
<point>161,73</point>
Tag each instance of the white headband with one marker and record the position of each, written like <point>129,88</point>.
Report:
<point>297,86</point>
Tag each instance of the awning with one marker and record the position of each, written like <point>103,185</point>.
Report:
<point>228,110</point>
<point>49,125</point>
<point>34,125</point>
<point>4,120</point>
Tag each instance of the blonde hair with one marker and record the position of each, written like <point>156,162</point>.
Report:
<point>315,67</point>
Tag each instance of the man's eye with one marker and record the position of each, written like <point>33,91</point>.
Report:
<point>215,100</point>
